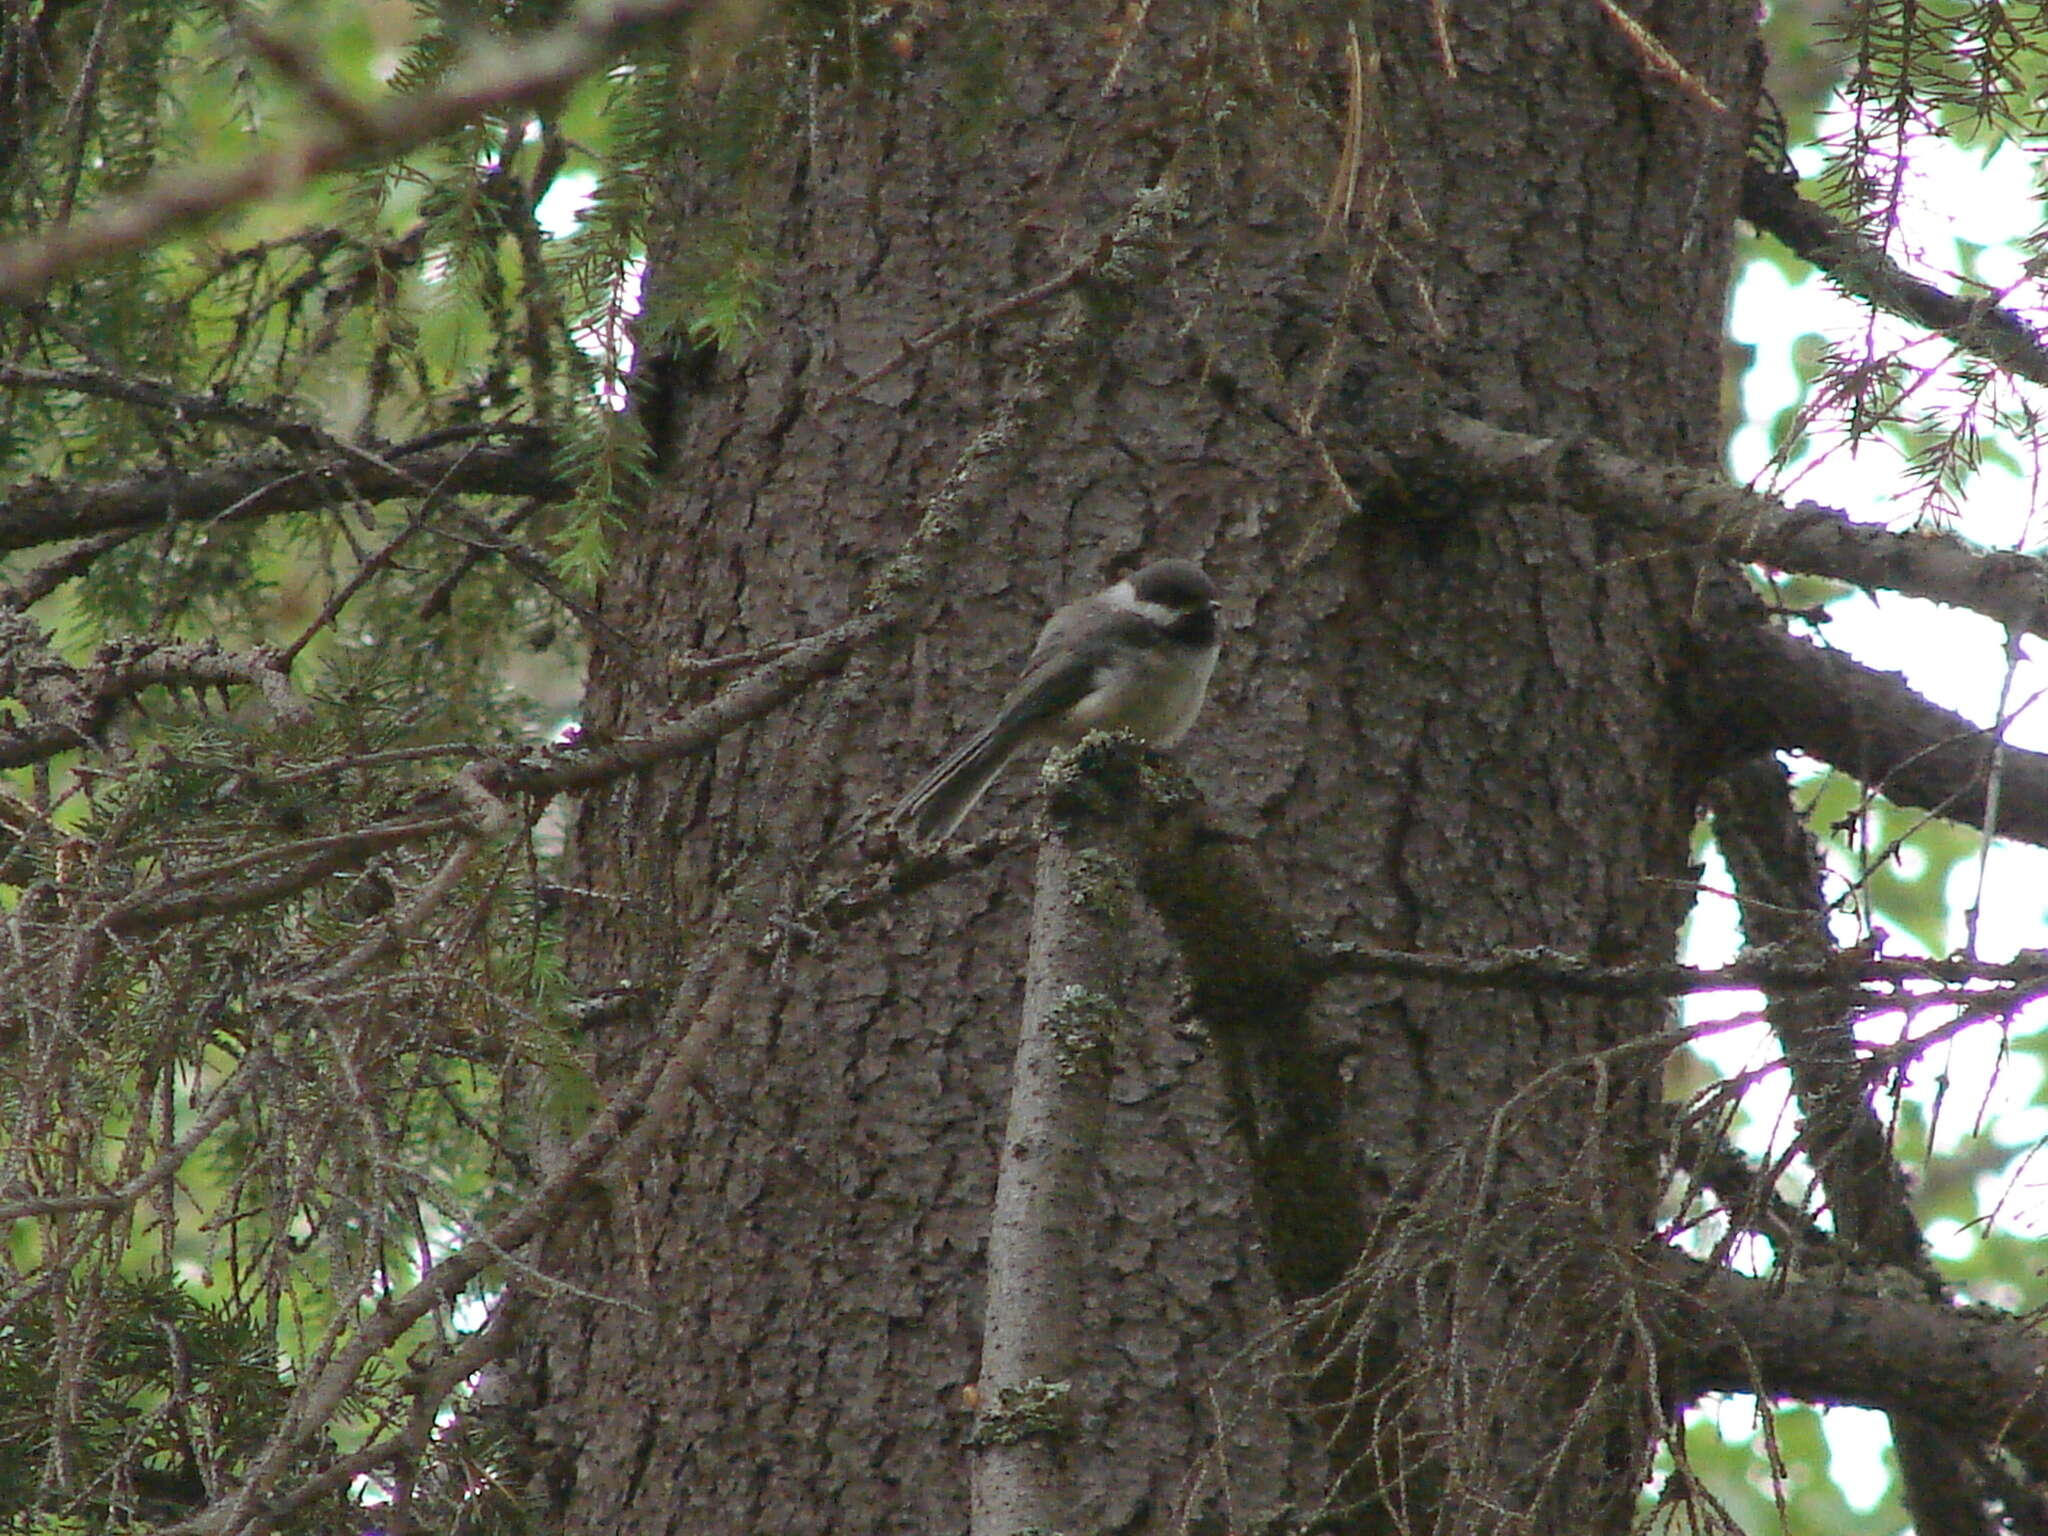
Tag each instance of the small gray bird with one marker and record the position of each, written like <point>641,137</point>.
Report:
<point>1135,657</point>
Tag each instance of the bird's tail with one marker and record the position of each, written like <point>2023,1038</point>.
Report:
<point>943,797</point>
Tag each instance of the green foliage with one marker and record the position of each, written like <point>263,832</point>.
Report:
<point>724,291</point>
<point>608,461</point>
<point>231,1139</point>
<point>1897,862</point>
<point>732,289</point>
<point>1774,1478</point>
<point>166,1374</point>
<point>369,1107</point>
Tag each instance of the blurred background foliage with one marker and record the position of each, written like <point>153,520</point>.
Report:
<point>361,1093</point>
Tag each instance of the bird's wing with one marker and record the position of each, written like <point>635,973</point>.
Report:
<point>942,799</point>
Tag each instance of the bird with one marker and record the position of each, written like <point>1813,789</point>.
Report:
<point>1133,657</point>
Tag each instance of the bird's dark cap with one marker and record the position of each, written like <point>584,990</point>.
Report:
<point>1173,584</point>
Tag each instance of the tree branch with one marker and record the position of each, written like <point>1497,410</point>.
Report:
<point>1128,257</point>
<point>1858,266</point>
<point>319,1398</point>
<point>1251,982</point>
<point>248,1074</point>
<point>1075,984</point>
<point>1773,688</point>
<point>1701,511</point>
<point>490,78</point>
<point>222,889</point>
<point>1749,1195</point>
<point>1552,971</point>
<point>73,560</point>
<point>1970,1371</point>
<point>727,964</point>
<point>268,483</point>
<point>1967,1373</point>
<point>167,399</point>
<point>70,705</point>
<point>1777,874</point>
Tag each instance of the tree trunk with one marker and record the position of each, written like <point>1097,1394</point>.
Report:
<point>1443,724</point>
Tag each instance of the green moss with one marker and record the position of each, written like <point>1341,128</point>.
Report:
<point>1101,887</point>
<point>1082,1024</point>
<point>1039,1407</point>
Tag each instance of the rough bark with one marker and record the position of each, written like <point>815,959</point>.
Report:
<point>1446,723</point>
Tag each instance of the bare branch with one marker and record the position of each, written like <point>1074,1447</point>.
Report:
<point>1858,266</point>
<point>74,560</point>
<point>395,930</point>
<point>1701,511</point>
<point>1777,872</point>
<point>1075,985</point>
<point>156,395</point>
<point>70,705</point>
<point>490,78</point>
<point>222,889</point>
<point>265,484</point>
<point>882,887</point>
<point>481,539</point>
<point>317,1399</point>
<point>1777,690</point>
<point>1251,982</point>
<point>248,1073</point>
<point>1546,970</point>
<point>1749,1195</point>
<point>1971,1371</point>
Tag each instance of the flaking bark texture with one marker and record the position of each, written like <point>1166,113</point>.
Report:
<point>1444,724</point>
